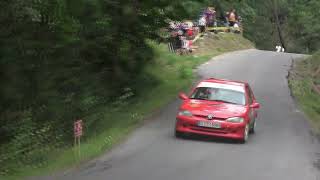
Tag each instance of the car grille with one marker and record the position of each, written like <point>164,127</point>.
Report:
<point>210,130</point>
<point>206,117</point>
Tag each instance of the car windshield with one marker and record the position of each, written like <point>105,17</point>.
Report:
<point>219,94</point>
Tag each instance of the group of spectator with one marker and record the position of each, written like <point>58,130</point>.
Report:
<point>232,18</point>
<point>280,48</point>
<point>183,33</point>
<point>208,18</point>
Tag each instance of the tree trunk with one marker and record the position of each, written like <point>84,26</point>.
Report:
<point>275,9</point>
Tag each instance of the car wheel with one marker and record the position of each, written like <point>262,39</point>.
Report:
<point>253,128</point>
<point>179,134</point>
<point>245,134</point>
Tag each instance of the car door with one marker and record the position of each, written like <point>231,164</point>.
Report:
<point>252,111</point>
<point>254,101</point>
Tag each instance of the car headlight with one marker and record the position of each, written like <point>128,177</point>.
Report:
<point>235,120</point>
<point>185,113</point>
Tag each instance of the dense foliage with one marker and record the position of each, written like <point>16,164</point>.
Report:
<point>61,59</point>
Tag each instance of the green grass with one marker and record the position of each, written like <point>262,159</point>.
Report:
<point>301,79</point>
<point>113,124</point>
<point>214,44</point>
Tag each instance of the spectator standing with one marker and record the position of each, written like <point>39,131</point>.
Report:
<point>190,32</point>
<point>226,19</point>
<point>180,34</point>
<point>184,44</point>
<point>202,24</point>
<point>232,18</point>
<point>209,16</point>
<point>184,27</point>
<point>278,48</point>
<point>214,17</point>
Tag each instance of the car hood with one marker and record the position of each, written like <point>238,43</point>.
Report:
<point>217,109</point>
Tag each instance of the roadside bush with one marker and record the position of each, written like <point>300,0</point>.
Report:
<point>303,79</point>
<point>185,72</point>
<point>29,146</point>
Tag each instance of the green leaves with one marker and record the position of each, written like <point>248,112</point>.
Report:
<point>60,59</point>
<point>305,25</point>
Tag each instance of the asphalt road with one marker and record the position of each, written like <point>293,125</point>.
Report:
<point>282,149</point>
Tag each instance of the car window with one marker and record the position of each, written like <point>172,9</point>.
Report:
<point>250,95</point>
<point>219,94</point>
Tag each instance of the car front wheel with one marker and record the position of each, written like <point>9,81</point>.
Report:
<point>253,128</point>
<point>179,134</point>
<point>245,134</point>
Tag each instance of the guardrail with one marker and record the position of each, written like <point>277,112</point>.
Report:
<point>226,29</point>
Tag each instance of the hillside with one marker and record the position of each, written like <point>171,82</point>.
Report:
<point>212,43</point>
<point>108,124</point>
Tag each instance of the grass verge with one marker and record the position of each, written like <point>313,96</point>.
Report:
<point>113,124</point>
<point>304,80</point>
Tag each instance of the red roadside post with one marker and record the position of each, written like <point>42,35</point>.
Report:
<point>77,129</point>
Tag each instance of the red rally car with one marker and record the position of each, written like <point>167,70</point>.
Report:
<point>217,107</point>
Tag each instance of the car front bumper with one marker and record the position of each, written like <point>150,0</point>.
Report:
<point>189,125</point>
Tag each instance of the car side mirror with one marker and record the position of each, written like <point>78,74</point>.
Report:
<point>183,96</point>
<point>255,105</point>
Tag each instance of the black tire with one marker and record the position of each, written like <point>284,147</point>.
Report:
<point>246,135</point>
<point>179,134</point>
<point>253,128</point>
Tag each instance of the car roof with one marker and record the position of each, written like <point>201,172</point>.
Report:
<point>223,83</point>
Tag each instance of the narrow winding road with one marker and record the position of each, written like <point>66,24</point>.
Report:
<point>282,149</point>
